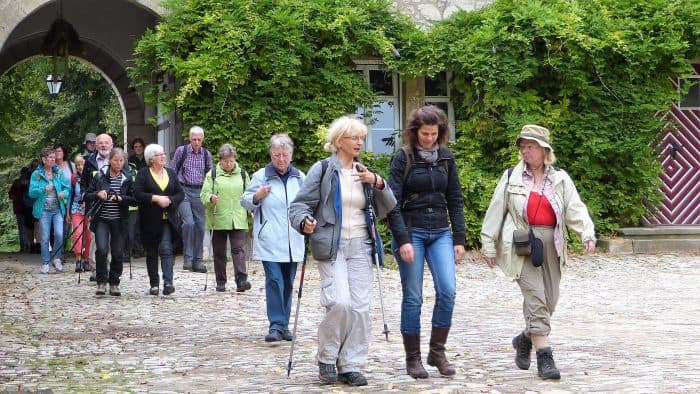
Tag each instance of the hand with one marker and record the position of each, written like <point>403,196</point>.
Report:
<point>309,226</point>
<point>61,195</point>
<point>214,199</point>
<point>102,195</point>
<point>491,261</point>
<point>162,201</point>
<point>406,252</point>
<point>262,192</point>
<point>364,175</point>
<point>459,253</point>
<point>590,246</point>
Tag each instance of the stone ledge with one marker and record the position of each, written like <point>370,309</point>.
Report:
<point>661,231</point>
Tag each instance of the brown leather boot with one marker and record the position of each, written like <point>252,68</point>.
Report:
<point>436,357</point>
<point>414,366</point>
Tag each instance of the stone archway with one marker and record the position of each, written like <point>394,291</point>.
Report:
<point>107,29</point>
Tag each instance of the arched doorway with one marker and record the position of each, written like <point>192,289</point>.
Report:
<point>107,29</point>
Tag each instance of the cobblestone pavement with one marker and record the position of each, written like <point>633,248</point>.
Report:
<point>624,324</point>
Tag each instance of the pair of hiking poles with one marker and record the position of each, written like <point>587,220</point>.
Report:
<point>376,245</point>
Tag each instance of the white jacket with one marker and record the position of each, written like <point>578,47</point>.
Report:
<point>505,214</point>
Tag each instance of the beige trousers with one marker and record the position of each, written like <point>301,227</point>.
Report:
<point>540,285</point>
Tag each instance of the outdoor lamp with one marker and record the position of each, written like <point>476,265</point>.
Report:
<point>54,85</point>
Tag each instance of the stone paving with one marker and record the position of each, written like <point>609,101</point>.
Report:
<point>625,324</point>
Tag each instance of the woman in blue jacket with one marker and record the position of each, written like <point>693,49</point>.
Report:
<point>50,192</point>
<point>272,189</point>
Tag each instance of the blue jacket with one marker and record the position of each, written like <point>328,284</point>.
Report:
<point>36,189</point>
<point>273,237</point>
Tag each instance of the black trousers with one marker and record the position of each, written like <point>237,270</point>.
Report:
<point>109,236</point>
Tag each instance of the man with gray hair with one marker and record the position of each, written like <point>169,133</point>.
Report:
<point>191,163</point>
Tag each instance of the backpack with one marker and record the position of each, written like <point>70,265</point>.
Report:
<point>244,175</point>
<point>410,160</point>
<point>207,156</point>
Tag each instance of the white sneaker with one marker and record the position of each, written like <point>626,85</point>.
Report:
<point>58,265</point>
<point>44,268</point>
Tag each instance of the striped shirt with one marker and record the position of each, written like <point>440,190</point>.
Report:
<point>110,209</point>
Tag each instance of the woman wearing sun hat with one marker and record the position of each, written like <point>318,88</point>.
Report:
<point>535,195</point>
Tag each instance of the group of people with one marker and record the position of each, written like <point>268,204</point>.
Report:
<point>334,207</point>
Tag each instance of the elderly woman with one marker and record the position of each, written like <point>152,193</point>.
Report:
<point>275,243</point>
<point>158,194</point>
<point>113,190</point>
<point>331,208</point>
<point>428,226</point>
<point>538,196</point>
<point>50,192</point>
<point>221,194</point>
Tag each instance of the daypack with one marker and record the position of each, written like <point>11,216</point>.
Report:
<point>207,155</point>
<point>410,160</point>
<point>213,178</point>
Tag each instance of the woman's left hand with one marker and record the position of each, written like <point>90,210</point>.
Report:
<point>459,253</point>
<point>364,175</point>
<point>590,246</point>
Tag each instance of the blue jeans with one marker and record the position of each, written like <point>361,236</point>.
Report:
<point>279,283</point>
<point>193,215</point>
<point>47,219</point>
<point>434,246</point>
<point>165,250</point>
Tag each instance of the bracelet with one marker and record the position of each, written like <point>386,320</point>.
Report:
<point>375,178</point>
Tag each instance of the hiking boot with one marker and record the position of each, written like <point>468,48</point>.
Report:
<point>101,287</point>
<point>197,266</point>
<point>273,336</point>
<point>353,379</point>
<point>187,266</point>
<point>78,266</point>
<point>93,278</point>
<point>287,335</point>
<point>58,265</point>
<point>168,289</point>
<point>414,366</point>
<point>546,369</point>
<point>326,373</point>
<point>242,283</point>
<point>153,290</point>
<point>436,356</point>
<point>523,348</point>
<point>221,287</point>
<point>45,268</point>
<point>114,290</point>
<point>86,266</point>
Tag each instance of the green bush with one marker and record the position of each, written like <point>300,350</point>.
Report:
<point>249,69</point>
<point>595,72</point>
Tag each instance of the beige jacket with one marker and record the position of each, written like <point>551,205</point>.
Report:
<point>497,229</point>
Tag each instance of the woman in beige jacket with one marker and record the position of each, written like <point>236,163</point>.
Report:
<point>535,195</point>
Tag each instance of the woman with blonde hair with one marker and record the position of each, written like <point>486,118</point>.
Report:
<point>330,209</point>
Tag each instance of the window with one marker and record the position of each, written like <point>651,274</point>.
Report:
<point>692,99</point>
<point>383,117</point>
<point>437,93</point>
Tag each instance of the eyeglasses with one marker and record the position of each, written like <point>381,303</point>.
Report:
<point>281,155</point>
<point>355,138</point>
<point>528,147</point>
<point>159,154</point>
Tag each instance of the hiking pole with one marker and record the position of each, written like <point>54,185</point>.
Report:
<point>372,222</point>
<point>211,256</point>
<point>301,287</point>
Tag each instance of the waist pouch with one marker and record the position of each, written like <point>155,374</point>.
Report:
<point>527,244</point>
